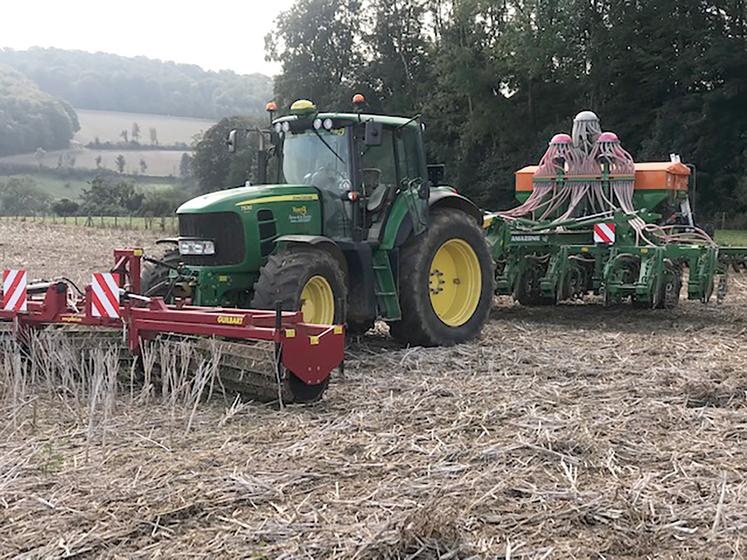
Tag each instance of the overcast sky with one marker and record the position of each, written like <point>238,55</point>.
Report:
<point>215,34</point>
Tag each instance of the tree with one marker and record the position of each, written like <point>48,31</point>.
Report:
<point>135,132</point>
<point>318,44</point>
<point>65,207</point>
<point>106,199</point>
<point>153,137</point>
<point>31,119</point>
<point>185,166</point>
<point>213,166</point>
<point>19,196</point>
<point>120,163</point>
<point>39,156</point>
<point>143,166</point>
<point>124,135</point>
<point>164,202</point>
<point>98,161</point>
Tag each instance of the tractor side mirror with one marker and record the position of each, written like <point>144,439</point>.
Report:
<point>231,141</point>
<point>373,134</point>
<point>436,173</point>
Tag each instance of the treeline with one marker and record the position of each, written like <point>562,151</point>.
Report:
<point>31,119</point>
<point>105,196</point>
<point>495,80</point>
<point>140,85</point>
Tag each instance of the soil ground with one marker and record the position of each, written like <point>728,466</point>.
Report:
<point>563,432</point>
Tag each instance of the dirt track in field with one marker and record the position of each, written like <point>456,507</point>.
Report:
<point>568,432</point>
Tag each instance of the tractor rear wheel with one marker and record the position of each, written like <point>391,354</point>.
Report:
<point>446,282</point>
<point>154,280</point>
<point>308,280</point>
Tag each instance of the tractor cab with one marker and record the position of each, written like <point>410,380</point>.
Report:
<point>358,162</point>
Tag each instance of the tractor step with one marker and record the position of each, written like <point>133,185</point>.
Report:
<point>385,287</point>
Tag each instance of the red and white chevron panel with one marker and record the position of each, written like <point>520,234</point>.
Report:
<point>604,233</point>
<point>104,296</point>
<point>14,290</point>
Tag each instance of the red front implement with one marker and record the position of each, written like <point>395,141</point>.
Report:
<point>309,351</point>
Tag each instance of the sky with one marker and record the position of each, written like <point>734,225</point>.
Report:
<point>216,34</point>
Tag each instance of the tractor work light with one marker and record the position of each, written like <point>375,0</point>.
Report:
<point>326,123</point>
<point>196,247</point>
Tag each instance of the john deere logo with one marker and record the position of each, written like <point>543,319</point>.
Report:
<point>300,215</point>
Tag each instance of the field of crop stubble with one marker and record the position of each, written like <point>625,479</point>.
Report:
<point>568,432</point>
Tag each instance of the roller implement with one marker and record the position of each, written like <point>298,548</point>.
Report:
<point>263,354</point>
<point>591,220</point>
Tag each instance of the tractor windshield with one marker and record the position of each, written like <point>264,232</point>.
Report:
<point>319,158</point>
<point>322,159</point>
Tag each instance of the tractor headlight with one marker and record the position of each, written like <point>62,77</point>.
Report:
<point>196,247</point>
<point>317,124</point>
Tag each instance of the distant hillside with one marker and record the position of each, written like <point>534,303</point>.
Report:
<point>30,118</point>
<point>140,85</point>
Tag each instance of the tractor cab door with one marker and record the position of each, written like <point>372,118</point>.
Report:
<point>395,168</point>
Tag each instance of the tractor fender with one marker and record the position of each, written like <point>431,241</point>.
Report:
<point>318,241</point>
<point>168,241</point>
<point>399,225</point>
<point>448,198</point>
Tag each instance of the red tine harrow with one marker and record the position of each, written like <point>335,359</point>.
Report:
<point>260,348</point>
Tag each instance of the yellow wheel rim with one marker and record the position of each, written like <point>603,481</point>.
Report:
<point>455,282</point>
<point>318,302</point>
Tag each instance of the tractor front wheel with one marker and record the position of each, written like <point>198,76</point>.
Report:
<point>308,280</point>
<point>446,282</point>
<point>154,280</point>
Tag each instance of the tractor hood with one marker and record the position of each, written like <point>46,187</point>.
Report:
<point>244,198</point>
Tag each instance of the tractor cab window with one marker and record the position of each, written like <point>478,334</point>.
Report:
<point>408,153</point>
<point>379,172</point>
<point>322,159</point>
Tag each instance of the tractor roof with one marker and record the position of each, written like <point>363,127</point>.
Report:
<point>386,120</point>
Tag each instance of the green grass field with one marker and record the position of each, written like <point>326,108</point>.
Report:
<point>732,237</point>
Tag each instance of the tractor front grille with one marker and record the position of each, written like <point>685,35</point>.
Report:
<point>223,228</point>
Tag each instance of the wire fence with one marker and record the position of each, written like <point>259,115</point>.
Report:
<point>157,223</point>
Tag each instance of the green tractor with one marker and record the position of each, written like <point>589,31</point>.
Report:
<point>349,225</point>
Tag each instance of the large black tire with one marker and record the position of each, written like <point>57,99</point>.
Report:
<point>286,273</point>
<point>154,279</point>
<point>282,279</point>
<point>420,325</point>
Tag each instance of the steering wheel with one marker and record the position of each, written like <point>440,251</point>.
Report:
<point>325,176</point>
